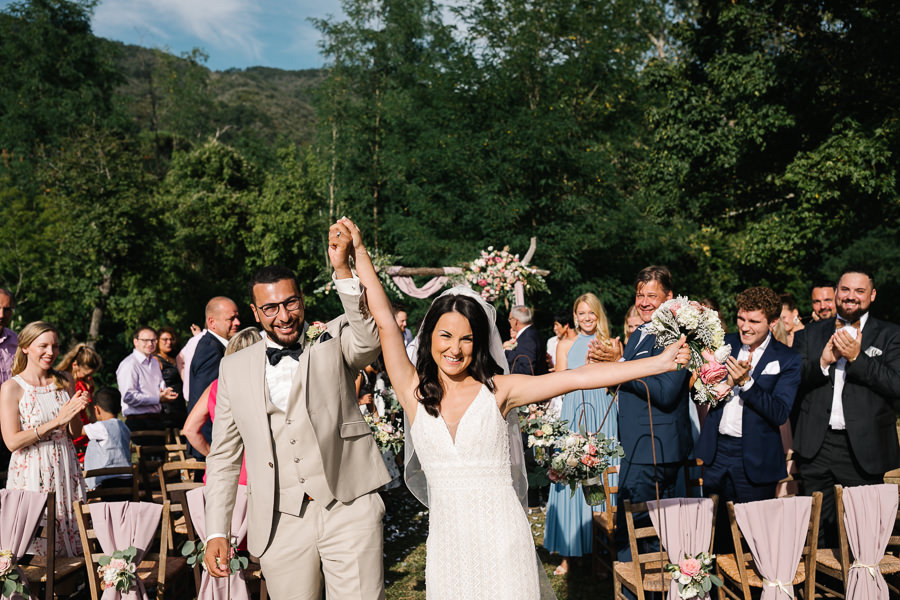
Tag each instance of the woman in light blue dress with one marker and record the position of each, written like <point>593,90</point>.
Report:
<point>569,520</point>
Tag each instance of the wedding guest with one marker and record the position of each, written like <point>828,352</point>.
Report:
<point>563,329</point>
<point>846,430</point>
<point>790,318</point>
<point>569,519</point>
<point>81,362</point>
<point>8,342</point>
<point>205,410</point>
<point>632,321</point>
<point>141,383</point>
<point>671,440</point>
<point>222,322</point>
<point>740,443</point>
<point>526,356</point>
<point>184,358</point>
<point>401,317</point>
<point>37,416</point>
<point>822,296</point>
<point>173,412</point>
<point>110,441</point>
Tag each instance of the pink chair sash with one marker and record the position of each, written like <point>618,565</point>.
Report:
<point>20,514</point>
<point>684,526</point>
<point>775,531</point>
<point>122,524</point>
<point>869,515</point>
<point>216,588</point>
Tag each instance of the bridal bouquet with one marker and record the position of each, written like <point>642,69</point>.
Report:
<point>543,427</point>
<point>387,435</point>
<point>694,576</point>
<point>118,570</point>
<point>10,583</point>
<point>582,458</point>
<point>706,339</point>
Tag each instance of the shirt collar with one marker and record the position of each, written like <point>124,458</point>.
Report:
<point>862,321</point>
<point>141,357</point>
<point>762,347</point>
<point>5,334</point>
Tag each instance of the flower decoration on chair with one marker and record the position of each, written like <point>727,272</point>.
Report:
<point>702,328</point>
<point>543,428</point>
<point>694,575</point>
<point>388,436</point>
<point>118,570</point>
<point>194,552</point>
<point>495,274</point>
<point>581,458</point>
<point>10,581</point>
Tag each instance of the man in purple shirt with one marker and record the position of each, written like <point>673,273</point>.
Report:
<point>141,383</point>
<point>8,342</point>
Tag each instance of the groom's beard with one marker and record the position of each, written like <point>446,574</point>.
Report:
<point>285,340</point>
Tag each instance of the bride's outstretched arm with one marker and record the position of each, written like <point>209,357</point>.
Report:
<point>519,390</point>
<point>401,372</point>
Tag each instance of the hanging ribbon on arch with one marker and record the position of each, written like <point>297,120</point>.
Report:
<point>402,278</point>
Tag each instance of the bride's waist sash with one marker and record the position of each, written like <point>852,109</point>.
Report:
<point>468,477</point>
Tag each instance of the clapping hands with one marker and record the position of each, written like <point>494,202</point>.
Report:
<point>72,408</point>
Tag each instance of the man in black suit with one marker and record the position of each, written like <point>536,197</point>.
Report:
<point>525,352</point>
<point>221,323</point>
<point>846,429</point>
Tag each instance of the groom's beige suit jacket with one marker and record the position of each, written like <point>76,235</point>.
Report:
<point>322,419</point>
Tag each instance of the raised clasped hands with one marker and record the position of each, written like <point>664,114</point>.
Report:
<point>340,245</point>
<point>738,371</point>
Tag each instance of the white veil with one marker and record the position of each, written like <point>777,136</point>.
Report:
<point>412,472</point>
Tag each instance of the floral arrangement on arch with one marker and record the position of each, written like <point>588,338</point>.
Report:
<point>495,274</point>
<point>543,428</point>
<point>118,570</point>
<point>702,328</point>
<point>10,581</point>
<point>581,458</point>
<point>694,575</point>
<point>387,435</point>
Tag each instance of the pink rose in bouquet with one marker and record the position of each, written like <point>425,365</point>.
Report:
<point>553,475</point>
<point>6,562</point>
<point>713,372</point>
<point>690,567</point>
<point>118,564</point>
<point>721,390</point>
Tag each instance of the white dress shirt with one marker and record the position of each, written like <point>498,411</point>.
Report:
<point>836,421</point>
<point>183,362</point>
<point>732,422</point>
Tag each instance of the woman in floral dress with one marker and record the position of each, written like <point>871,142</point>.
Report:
<point>38,421</point>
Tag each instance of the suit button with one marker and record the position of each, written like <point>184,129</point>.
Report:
<point>271,465</point>
<point>302,480</point>
<point>293,441</point>
<point>296,460</point>
<point>288,421</point>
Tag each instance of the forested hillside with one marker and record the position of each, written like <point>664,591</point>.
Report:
<point>740,144</point>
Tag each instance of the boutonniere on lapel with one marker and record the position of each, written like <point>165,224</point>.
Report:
<point>316,329</point>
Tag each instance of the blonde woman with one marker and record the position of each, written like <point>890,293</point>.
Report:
<point>570,518</point>
<point>81,362</point>
<point>633,320</point>
<point>37,418</point>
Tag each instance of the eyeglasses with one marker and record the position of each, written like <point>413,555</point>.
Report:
<point>147,340</point>
<point>291,304</point>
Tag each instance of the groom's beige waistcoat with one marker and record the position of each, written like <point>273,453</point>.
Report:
<point>320,445</point>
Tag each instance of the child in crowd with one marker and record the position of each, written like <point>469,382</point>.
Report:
<point>110,441</point>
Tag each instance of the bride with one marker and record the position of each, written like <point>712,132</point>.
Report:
<point>456,398</point>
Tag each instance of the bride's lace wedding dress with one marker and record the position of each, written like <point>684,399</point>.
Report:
<point>479,539</point>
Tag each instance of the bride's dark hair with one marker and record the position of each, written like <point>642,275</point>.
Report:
<point>483,366</point>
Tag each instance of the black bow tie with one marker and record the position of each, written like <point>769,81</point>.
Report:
<point>276,354</point>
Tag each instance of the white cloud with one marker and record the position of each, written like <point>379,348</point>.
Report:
<point>218,24</point>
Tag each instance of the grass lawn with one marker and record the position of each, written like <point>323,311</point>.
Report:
<point>405,530</point>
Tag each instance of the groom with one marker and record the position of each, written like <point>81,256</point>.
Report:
<point>288,406</point>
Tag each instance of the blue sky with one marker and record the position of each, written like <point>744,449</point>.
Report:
<point>235,33</point>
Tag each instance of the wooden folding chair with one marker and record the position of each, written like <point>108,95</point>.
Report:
<point>739,573</point>
<point>126,491</point>
<point>252,574</point>
<point>157,568</point>
<point>836,562</point>
<point>176,478</point>
<point>645,573</point>
<point>604,527</point>
<point>64,568</point>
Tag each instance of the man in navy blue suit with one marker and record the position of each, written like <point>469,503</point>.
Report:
<point>526,355</point>
<point>671,440</point>
<point>221,323</point>
<point>740,444</point>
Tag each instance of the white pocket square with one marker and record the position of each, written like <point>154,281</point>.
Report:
<point>644,352</point>
<point>872,352</point>
<point>773,368</point>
